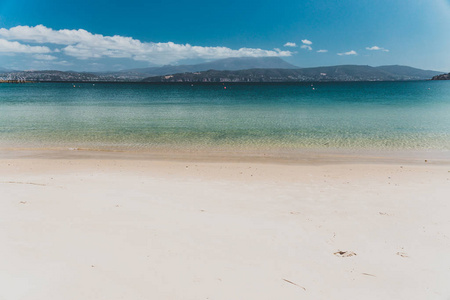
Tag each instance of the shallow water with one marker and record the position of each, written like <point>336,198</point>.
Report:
<point>367,115</point>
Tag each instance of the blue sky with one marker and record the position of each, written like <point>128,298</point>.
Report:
<point>112,35</point>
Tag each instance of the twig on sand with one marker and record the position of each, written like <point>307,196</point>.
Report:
<point>344,253</point>
<point>19,182</point>
<point>368,274</point>
<point>294,283</point>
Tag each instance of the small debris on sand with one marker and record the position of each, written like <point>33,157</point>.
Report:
<point>402,254</point>
<point>345,253</point>
<point>367,274</point>
<point>288,281</point>
<point>19,182</point>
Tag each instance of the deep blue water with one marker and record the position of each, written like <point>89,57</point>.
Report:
<point>367,115</point>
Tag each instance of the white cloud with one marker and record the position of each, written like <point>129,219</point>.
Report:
<point>44,57</point>
<point>62,63</point>
<point>322,51</point>
<point>16,47</point>
<point>352,52</point>
<point>84,45</point>
<point>308,47</point>
<point>290,44</point>
<point>376,48</point>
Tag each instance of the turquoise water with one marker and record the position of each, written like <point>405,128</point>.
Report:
<point>371,115</point>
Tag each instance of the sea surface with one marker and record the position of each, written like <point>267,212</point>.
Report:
<point>359,115</point>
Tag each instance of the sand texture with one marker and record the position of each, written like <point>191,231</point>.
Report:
<point>93,229</point>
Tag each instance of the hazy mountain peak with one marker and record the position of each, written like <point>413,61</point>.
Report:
<point>242,63</point>
<point>226,64</point>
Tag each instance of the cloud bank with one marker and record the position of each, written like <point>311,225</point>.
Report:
<point>44,57</point>
<point>15,47</point>
<point>82,44</point>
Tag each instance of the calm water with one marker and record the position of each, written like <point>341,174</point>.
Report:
<point>379,115</point>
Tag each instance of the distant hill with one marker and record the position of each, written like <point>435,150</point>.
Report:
<point>331,73</point>
<point>51,76</point>
<point>408,71</point>
<point>2,70</point>
<point>139,74</point>
<point>233,63</point>
<point>441,77</point>
<point>267,74</point>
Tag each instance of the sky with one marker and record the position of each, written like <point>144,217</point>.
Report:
<point>102,35</point>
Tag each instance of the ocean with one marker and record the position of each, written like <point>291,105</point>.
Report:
<point>108,116</point>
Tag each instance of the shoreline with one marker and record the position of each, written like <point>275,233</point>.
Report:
<point>280,156</point>
<point>225,82</point>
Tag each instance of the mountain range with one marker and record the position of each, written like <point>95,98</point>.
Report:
<point>247,69</point>
<point>331,73</point>
<point>230,64</point>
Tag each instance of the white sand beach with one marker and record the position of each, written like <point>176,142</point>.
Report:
<point>112,228</point>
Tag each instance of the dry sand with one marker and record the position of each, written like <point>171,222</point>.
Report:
<point>112,228</point>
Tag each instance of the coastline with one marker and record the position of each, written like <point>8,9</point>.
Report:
<point>114,225</point>
<point>300,156</point>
